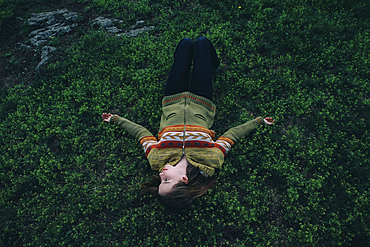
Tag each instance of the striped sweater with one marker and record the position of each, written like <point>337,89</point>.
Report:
<point>185,130</point>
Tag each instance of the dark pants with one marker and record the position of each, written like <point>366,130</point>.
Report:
<point>203,54</point>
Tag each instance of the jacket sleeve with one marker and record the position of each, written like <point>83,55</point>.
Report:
<point>135,130</point>
<point>236,133</point>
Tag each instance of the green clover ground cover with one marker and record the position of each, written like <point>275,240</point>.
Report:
<point>68,179</point>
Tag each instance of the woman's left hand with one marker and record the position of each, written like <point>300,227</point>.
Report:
<point>106,117</point>
<point>269,121</point>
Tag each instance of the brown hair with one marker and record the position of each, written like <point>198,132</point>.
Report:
<point>181,194</point>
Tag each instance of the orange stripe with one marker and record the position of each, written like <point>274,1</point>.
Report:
<point>173,99</point>
<point>259,121</point>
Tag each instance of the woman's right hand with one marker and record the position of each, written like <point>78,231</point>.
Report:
<point>269,121</point>
<point>106,117</point>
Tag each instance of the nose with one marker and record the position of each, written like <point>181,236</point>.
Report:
<point>161,174</point>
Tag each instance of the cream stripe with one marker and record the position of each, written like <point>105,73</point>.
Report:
<point>225,144</point>
<point>147,144</point>
<point>171,138</point>
<point>197,138</point>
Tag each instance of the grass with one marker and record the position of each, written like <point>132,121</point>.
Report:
<point>67,179</point>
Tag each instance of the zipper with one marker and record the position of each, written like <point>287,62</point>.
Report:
<point>183,142</point>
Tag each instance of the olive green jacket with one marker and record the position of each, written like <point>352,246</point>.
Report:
<point>185,130</point>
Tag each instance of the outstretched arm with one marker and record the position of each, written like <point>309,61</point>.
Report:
<point>238,132</point>
<point>135,130</point>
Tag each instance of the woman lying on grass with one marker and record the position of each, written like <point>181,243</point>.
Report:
<point>187,152</point>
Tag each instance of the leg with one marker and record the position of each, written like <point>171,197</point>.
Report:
<point>205,60</point>
<point>179,78</point>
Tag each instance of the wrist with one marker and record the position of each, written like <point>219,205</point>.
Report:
<point>261,121</point>
<point>113,118</point>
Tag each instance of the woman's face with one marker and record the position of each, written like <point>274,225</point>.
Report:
<point>170,176</point>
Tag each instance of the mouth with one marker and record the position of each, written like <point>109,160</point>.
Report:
<point>164,169</point>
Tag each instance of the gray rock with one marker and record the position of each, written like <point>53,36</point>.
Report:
<point>40,36</point>
<point>45,55</point>
<point>46,50</point>
<point>37,20</point>
<point>23,45</point>
<point>59,22</point>
<point>55,23</point>
<point>102,22</point>
<point>70,17</point>
<point>140,22</point>
<point>50,18</point>
<point>59,30</point>
<point>136,32</point>
<point>107,24</point>
<point>36,42</point>
<point>34,33</point>
<point>137,23</point>
<point>43,35</point>
<point>113,29</point>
